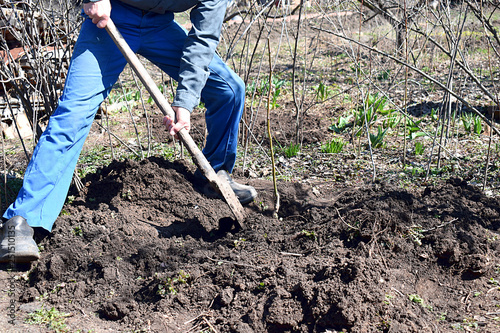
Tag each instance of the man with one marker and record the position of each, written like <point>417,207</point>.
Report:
<point>149,28</point>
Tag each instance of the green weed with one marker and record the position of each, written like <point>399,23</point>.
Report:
<point>419,148</point>
<point>384,75</point>
<point>263,86</point>
<point>341,124</point>
<point>161,87</point>
<point>125,94</point>
<point>238,242</point>
<point>413,128</point>
<point>323,92</point>
<point>419,300</point>
<point>478,125</point>
<point>472,123</point>
<point>434,116</point>
<point>70,199</point>
<point>51,319</point>
<point>309,234</point>
<point>373,106</point>
<point>291,150</point>
<point>171,283</point>
<point>335,146</point>
<point>442,316</point>
<point>359,116</point>
<point>415,233</point>
<point>77,231</point>
<point>377,140</point>
<point>392,120</point>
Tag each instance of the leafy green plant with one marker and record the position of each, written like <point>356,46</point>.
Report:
<point>335,146</point>
<point>434,116</point>
<point>309,234</point>
<point>359,116</point>
<point>238,242</point>
<point>171,283</point>
<point>77,231</point>
<point>322,91</point>
<point>419,300</point>
<point>373,106</point>
<point>263,87</point>
<point>392,120</point>
<point>478,124</point>
<point>341,125</point>
<point>388,299</point>
<point>384,75</point>
<point>472,123</point>
<point>442,316</point>
<point>277,84</point>
<point>161,87</point>
<point>70,199</point>
<point>419,148</point>
<point>127,94</point>
<point>467,121</point>
<point>416,299</point>
<point>291,150</point>
<point>378,104</point>
<point>377,140</point>
<point>51,319</point>
<point>413,128</point>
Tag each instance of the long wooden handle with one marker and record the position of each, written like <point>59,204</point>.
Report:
<point>198,157</point>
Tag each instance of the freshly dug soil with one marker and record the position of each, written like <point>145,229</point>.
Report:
<point>144,249</point>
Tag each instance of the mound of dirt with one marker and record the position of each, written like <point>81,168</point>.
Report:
<point>142,248</point>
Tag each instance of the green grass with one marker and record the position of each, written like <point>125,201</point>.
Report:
<point>51,319</point>
<point>291,150</point>
<point>419,148</point>
<point>335,146</point>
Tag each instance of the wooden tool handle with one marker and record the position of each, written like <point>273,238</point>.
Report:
<point>198,157</point>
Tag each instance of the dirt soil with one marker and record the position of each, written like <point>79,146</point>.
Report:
<point>143,249</point>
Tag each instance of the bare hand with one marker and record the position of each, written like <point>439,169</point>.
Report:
<point>182,120</point>
<point>98,11</point>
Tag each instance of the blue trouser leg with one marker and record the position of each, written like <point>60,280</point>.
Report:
<point>224,98</point>
<point>95,66</point>
<point>223,94</point>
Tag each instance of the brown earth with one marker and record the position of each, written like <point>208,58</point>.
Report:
<point>142,249</point>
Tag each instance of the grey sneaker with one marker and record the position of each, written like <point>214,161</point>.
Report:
<point>16,242</point>
<point>244,193</point>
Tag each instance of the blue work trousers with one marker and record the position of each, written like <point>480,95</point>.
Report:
<point>95,66</point>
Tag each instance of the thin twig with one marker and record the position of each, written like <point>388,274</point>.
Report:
<point>121,141</point>
<point>271,149</point>
<point>439,226</point>
<point>430,78</point>
<point>197,317</point>
<point>209,325</point>
<point>292,254</point>
<point>347,224</point>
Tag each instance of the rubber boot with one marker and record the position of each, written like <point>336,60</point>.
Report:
<point>244,193</point>
<point>16,242</point>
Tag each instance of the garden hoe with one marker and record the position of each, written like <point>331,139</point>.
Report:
<point>221,184</point>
